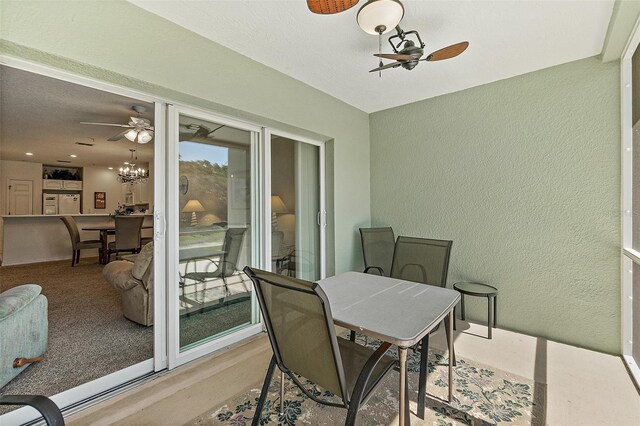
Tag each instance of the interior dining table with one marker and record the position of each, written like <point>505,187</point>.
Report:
<point>105,231</point>
<point>396,311</point>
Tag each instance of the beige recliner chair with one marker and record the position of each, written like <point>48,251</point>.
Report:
<point>135,282</point>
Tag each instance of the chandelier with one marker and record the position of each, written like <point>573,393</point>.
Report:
<point>131,174</point>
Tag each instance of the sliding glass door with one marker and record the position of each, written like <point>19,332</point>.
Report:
<point>215,209</point>
<point>298,215</point>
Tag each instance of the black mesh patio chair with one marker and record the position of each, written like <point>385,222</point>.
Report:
<point>49,410</point>
<point>377,249</point>
<point>300,326</point>
<point>227,264</point>
<point>426,261</point>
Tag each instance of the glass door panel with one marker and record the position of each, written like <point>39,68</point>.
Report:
<point>296,206</point>
<point>215,205</point>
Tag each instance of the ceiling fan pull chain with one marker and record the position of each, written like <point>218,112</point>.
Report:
<point>380,52</point>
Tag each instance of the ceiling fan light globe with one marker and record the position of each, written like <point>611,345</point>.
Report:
<point>376,14</point>
<point>131,135</point>
<point>145,136</point>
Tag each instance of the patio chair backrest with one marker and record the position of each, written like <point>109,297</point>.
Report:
<point>421,260</point>
<point>300,327</point>
<point>231,247</point>
<point>128,232</point>
<point>377,248</point>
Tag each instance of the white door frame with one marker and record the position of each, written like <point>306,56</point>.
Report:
<point>175,356</point>
<point>630,257</point>
<point>87,391</point>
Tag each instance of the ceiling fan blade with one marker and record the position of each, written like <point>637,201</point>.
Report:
<point>117,137</point>
<point>106,124</point>
<point>395,56</point>
<point>448,52</point>
<point>384,67</point>
<point>329,7</point>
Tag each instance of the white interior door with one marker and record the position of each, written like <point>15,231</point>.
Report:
<point>20,196</point>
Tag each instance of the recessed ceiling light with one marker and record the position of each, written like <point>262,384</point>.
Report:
<point>126,162</point>
<point>110,168</point>
<point>73,156</point>
<point>28,153</point>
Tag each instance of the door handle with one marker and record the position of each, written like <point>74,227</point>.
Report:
<point>160,224</point>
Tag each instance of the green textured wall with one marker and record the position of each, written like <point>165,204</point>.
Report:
<point>524,176</point>
<point>118,42</point>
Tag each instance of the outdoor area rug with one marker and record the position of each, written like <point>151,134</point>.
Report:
<point>483,396</point>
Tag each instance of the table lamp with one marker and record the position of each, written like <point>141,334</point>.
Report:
<point>192,207</point>
<point>277,207</point>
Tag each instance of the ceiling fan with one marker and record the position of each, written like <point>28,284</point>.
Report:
<point>379,17</point>
<point>137,130</point>
<point>200,130</point>
<point>410,53</point>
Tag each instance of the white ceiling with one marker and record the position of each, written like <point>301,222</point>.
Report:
<point>42,115</point>
<point>331,53</point>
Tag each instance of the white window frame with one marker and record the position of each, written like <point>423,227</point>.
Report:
<point>629,256</point>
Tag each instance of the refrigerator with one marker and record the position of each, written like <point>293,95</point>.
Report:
<point>68,203</point>
<point>49,203</point>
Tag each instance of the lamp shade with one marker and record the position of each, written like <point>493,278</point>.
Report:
<point>277,205</point>
<point>131,135</point>
<point>380,16</point>
<point>145,136</point>
<point>193,206</point>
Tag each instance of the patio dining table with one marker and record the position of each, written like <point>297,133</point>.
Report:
<point>400,312</point>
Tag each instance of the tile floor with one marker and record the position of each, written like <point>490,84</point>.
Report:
<point>583,387</point>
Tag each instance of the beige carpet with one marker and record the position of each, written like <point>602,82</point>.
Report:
<point>88,335</point>
<point>483,396</point>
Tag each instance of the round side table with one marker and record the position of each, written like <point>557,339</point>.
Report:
<point>479,290</point>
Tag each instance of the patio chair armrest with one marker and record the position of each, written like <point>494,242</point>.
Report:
<point>49,410</point>
<point>379,269</point>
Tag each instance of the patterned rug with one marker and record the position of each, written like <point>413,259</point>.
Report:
<point>483,396</point>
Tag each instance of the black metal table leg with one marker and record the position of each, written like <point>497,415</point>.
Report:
<point>424,370</point>
<point>490,316</point>
<point>462,307</point>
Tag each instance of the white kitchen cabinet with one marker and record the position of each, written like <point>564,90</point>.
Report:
<point>72,185</point>
<point>52,184</point>
<point>69,185</point>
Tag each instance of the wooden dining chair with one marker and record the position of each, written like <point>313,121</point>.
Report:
<point>76,243</point>
<point>300,326</point>
<point>128,232</point>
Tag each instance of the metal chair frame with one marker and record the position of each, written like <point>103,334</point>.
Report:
<point>351,402</point>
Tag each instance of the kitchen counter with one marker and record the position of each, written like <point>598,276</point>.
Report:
<point>44,238</point>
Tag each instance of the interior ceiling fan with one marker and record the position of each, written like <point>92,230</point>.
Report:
<point>379,17</point>
<point>137,130</point>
